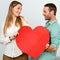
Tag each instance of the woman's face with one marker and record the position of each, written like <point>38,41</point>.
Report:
<point>17,10</point>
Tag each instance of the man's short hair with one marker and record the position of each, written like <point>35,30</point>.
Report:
<point>51,7</point>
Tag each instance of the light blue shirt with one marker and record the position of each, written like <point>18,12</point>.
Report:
<point>54,30</point>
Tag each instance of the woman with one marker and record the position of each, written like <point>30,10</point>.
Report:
<point>12,24</point>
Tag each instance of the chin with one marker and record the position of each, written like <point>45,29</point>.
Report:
<point>17,15</point>
<point>46,19</point>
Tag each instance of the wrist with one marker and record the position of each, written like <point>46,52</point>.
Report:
<point>10,38</point>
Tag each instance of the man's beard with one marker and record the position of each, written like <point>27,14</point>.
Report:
<point>48,19</point>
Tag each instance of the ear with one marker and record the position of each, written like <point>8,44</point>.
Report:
<point>52,12</point>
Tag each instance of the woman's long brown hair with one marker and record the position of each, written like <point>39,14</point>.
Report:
<point>9,17</point>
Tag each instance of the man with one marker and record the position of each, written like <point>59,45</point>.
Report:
<point>49,12</point>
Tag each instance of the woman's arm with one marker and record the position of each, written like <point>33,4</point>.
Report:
<point>4,39</point>
<point>7,39</point>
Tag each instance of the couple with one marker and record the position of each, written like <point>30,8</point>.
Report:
<point>14,22</point>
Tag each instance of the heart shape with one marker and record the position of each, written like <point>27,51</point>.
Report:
<point>32,41</point>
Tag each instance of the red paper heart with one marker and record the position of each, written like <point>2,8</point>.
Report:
<point>32,41</point>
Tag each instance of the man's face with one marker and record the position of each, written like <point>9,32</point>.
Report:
<point>46,13</point>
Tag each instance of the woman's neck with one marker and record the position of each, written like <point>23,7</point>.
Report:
<point>14,19</point>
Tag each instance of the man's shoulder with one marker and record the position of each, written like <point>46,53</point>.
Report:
<point>56,24</point>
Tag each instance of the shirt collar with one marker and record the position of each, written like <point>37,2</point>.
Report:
<point>51,22</point>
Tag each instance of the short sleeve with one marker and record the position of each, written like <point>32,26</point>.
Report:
<point>55,37</point>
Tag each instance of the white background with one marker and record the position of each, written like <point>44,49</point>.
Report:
<point>32,10</point>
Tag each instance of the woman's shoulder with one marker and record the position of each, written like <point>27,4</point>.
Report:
<point>24,20</point>
<point>22,17</point>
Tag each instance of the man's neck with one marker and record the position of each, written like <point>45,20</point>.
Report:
<point>52,18</point>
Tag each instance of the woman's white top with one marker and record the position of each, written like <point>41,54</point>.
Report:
<point>12,49</point>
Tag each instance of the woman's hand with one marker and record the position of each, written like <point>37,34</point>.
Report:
<point>13,36</point>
